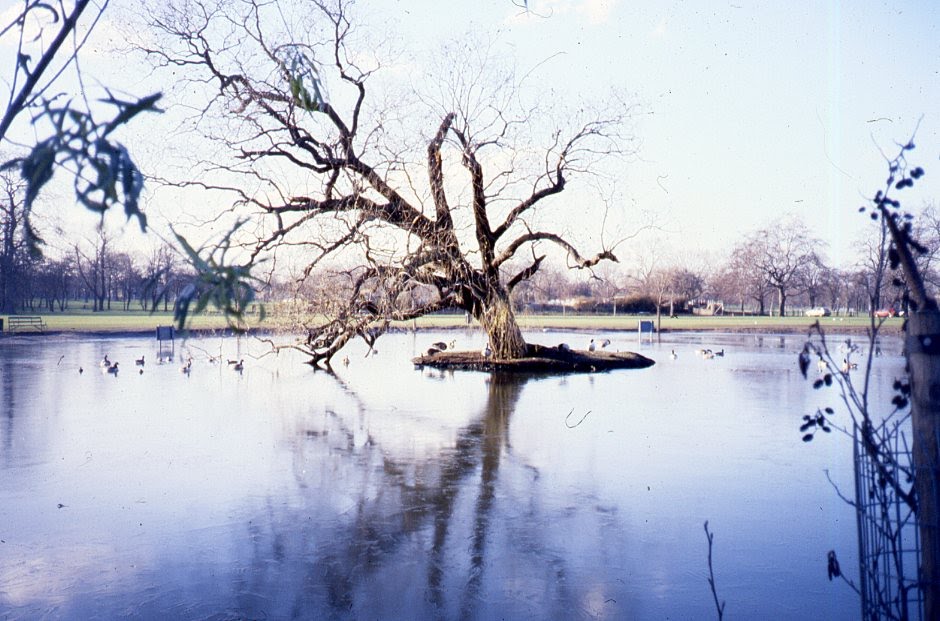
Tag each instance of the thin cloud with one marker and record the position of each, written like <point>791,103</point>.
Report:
<point>594,12</point>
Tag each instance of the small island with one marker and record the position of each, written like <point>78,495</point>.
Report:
<point>538,359</point>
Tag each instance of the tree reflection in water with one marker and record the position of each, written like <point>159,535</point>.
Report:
<point>410,521</point>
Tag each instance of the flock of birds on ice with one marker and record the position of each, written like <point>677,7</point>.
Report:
<point>112,367</point>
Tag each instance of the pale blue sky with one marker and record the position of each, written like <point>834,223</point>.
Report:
<point>756,108</point>
<point>752,109</point>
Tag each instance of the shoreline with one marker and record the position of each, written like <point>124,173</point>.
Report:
<point>885,330</point>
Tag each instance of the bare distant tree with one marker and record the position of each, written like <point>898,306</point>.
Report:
<point>13,248</point>
<point>873,264</point>
<point>160,272</point>
<point>93,261</point>
<point>321,167</point>
<point>781,252</point>
<point>687,284</point>
<point>744,276</point>
<point>927,230</point>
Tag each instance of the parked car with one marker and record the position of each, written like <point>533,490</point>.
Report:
<point>886,312</point>
<point>819,311</point>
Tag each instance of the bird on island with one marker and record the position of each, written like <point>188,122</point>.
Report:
<point>139,361</point>
<point>452,344</point>
<point>564,347</point>
<point>433,350</point>
<point>487,352</point>
<point>605,343</point>
<point>440,346</point>
<point>592,346</point>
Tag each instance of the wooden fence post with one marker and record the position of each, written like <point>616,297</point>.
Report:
<point>923,356</point>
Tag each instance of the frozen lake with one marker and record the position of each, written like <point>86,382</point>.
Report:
<point>387,492</point>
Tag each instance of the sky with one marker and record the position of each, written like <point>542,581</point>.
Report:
<point>754,109</point>
<point>748,110</point>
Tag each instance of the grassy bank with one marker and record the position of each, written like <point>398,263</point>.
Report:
<point>116,321</point>
<point>682,323</point>
<point>134,321</point>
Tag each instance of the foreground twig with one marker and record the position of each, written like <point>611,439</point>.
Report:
<point>720,607</point>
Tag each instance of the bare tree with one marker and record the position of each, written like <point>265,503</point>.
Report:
<point>160,272</point>
<point>13,254</point>
<point>744,276</point>
<point>873,265</point>
<point>54,283</point>
<point>781,253</point>
<point>927,230</point>
<point>296,106</point>
<point>93,261</point>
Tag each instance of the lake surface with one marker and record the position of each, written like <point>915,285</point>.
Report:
<point>387,492</point>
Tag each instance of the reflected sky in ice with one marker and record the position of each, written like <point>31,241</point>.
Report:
<point>395,493</point>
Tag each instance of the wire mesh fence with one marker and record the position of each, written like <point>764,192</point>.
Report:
<point>888,536</point>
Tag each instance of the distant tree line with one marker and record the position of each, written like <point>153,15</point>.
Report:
<point>776,270</point>
<point>780,269</point>
<point>90,272</point>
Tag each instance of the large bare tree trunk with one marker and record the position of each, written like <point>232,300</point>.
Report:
<point>924,362</point>
<point>499,321</point>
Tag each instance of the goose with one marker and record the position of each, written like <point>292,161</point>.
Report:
<point>592,346</point>
<point>139,361</point>
<point>345,361</point>
<point>80,370</point>
<point>232,361</point>
<point>708,355</point>
<point>822,366</point>
<point>672,354</point>
<point>140,371</point>
<point>238,366</point>
<point>105,363</point>
<point>188,367</point>
<point>720,352</point>
<point>848,366</point>
<point>113,368</point>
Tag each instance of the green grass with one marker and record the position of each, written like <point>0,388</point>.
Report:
<point>126,321</point>
<point>687,322</point>
<point>116,321</point>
